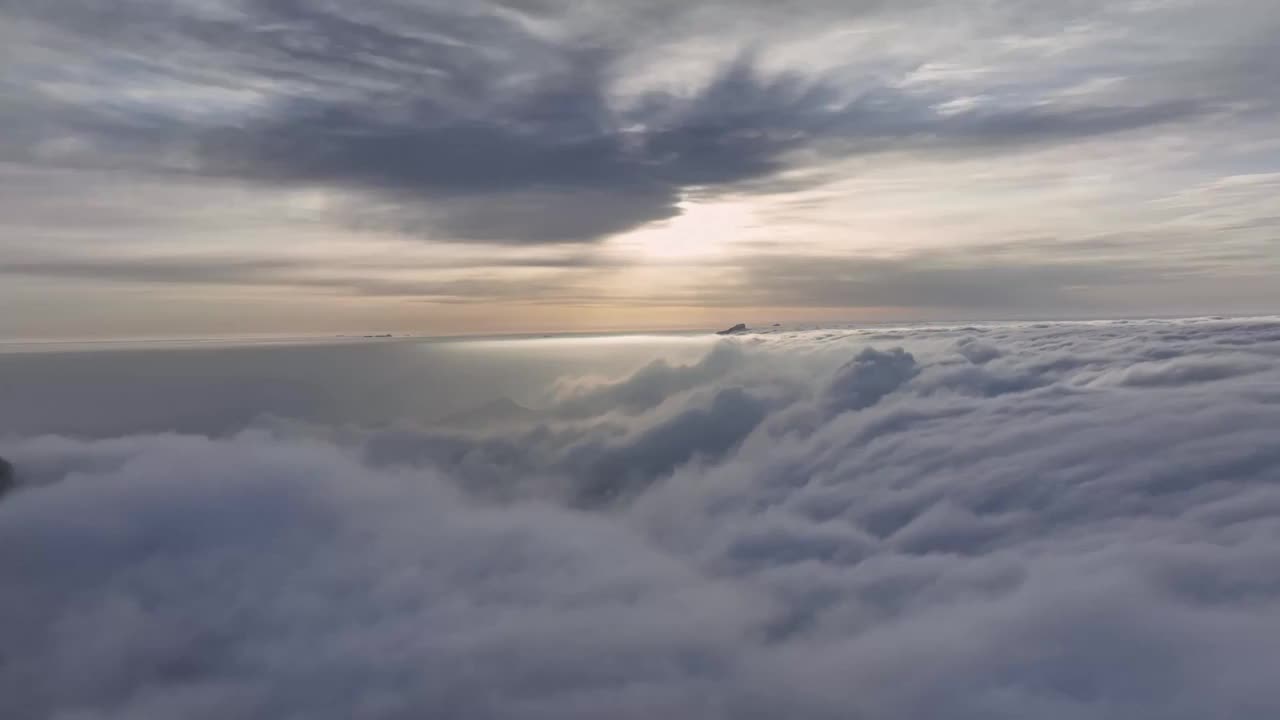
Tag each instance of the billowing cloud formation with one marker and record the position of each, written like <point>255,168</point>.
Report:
<point>1008,521</point>
<point>464,120</point>
<point>476,121</point>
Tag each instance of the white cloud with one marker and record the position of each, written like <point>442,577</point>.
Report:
<point>1054,520</point>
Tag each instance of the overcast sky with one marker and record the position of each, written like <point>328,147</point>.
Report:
<point>213,167</point>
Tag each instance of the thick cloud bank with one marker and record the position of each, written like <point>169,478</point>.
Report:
<point>1001,521</point>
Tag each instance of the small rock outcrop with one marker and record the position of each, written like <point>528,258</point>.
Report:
<point>739,328</point>
<point>7,477</point>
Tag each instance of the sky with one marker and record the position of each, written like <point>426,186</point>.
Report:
<point>974,521</point>
<point>233,167</point>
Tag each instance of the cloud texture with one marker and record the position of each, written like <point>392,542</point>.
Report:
<point>492,122</point>
<point>285,166</point>
<point>997,521</point>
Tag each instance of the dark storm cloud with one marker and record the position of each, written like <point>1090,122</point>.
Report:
<point>508,133</point>
<point>465,123</point>
<point>804,524</point>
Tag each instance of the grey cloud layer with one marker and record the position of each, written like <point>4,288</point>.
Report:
<point>473,122</point>
<point>497,133</point>
<point>421,160</point>
<point>1008,521</point>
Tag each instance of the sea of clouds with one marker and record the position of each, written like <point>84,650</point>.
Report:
<point>1059,520</point>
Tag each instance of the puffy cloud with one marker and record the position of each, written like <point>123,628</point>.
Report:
<point>871,376</point>
<point>1051,520</point>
